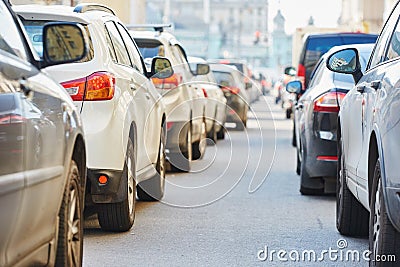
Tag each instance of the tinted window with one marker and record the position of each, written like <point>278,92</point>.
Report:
<point>394,45</point>
<point>10,38</point>
<point>118,44</point>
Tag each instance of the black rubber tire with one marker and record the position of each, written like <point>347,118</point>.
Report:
<point>153,188</point>
<point>288,113</point>
<point>212,135</point>
<point>351,216</point>
<point>305,179</point>
<point>181,162</point>
<point>221,133</point>
<point>199,147</point>
<point>70,239</point>
<point>294,142</point>
<point>388,238</point>
<point>119,217</point>
<point>298,164</point>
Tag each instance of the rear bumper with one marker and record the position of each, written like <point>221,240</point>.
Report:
<point>113,191</point>
<point>176,137</point>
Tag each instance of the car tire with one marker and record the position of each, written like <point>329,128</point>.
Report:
<point>199,147</point>
<point>182,162</point>
<point>212,136</point>
<point>288,113</point>
<point>383,237</point>
<point>119,217</point>
<point>351,216</point>
<point>153,188</point>
<point>221,133</point>
<point>298,164</point>
<point>294,142</point>
<point>306,180</point>
<point>70,232</point>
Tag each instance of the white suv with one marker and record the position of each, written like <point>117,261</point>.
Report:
<point>185,101</point>
<point>121,110</point>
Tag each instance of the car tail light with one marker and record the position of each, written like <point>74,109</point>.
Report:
<point>327,158</point>
<point>169,125</point>
<point>204,92</point>
<point>301,71</point>
<point>11,119</point>
<point>98,86</point>
<point>168,83</point>
<point>230,90</point>
<point>329,102</point>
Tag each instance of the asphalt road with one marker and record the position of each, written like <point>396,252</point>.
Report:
<point>240,206</point>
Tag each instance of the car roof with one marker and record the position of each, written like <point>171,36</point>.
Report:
<point>155,35</point>
<point>223,67</point>
<point>338,34</point>
<point>58,13</point>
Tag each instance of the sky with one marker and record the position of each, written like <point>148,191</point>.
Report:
<point>297,12</point>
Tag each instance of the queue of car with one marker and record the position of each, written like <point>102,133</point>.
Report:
<point>91,117</point>
<point>346,135</point>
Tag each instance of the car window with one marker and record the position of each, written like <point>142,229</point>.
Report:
<point>110,46</point>
<point>224,78</point>
<point>10,37</point>
<point>378,55</point>
<point>179,56</point>
<point>131,47</point>
<point>394,45</point>
<point>317,74</point>
<point>118,44</point>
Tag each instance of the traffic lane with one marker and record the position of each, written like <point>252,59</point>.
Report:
<point>233,229</point>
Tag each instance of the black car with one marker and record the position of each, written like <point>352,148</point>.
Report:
<point>42,151</point>
<point>316,123</point>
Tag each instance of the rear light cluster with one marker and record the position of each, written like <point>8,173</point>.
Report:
<point>204,92</point>
<point>97,86</point>
<point>168,83</point>
<point>230,90</point>
<point>329,102</point>
<point>11,119</point>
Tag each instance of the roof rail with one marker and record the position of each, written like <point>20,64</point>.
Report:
<point>82,8</point>
<point>156,27</point>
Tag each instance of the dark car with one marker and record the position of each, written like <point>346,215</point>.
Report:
<point>231,82</point>
<point>42,151</point>
<point>369,145</point>
<point>316,123</point>
<point>315,45</point>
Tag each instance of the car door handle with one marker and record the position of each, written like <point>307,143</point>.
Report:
<point>300,106</point>
<point>147,96</point>
<point>133,88</point>
<point>375,84</point>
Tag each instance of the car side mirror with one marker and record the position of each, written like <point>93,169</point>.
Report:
<point>291,71</point>
<point>202,69</point>
<point>294,87</point>
<point>248,85</point>
<point>64,42</point>
<point>223,84</point>
<point>161,68</point>
<point>345,61</point>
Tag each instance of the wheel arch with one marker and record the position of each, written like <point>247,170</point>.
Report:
<point>79,156</point>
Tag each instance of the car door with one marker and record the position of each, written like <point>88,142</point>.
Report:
<point>369,88</point>
<point>133,97</point>
<point>152,123</point>
<point>377,89</point>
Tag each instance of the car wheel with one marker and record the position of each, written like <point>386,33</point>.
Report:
<point>288,113</point>
<point>199,147</point>
<point>351,216</point>
<point>181,163</point>
<point>70,233</point>
<point>298,165</point>
<point>119,217</point>
<point>294,143</point>
<point>383,237</point>
<point>308,185</point>
<point>212,136</point>
<point>221,133</point>
<point>153,188</point>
